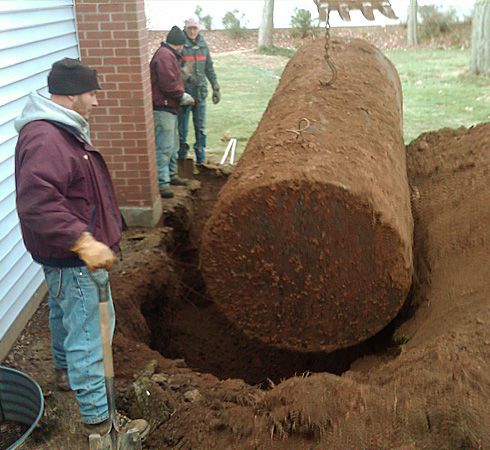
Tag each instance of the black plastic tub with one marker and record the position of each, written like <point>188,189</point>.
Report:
<point>21,401</point>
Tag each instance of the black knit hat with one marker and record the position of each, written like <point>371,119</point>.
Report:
<point>176,36</point>
<point>71,77</point>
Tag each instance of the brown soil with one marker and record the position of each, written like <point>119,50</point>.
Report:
<point>212,388</point>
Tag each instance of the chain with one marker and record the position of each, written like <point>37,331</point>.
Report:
<point>327,52</point>
<point>327,34</point>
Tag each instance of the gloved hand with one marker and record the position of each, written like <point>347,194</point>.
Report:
<point>216,95</point>
<point>187,70</point>
<point>186,100</point>
<point>95,254</point>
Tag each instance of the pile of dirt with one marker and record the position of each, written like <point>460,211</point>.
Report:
<point>432,393</point>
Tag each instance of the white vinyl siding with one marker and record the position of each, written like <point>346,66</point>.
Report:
<point>33,35</point>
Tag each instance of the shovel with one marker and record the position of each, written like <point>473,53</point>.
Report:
<point>114,439</point>
<point>185,168</point>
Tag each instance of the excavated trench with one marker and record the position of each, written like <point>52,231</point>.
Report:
<point>185,324</point>
<point>306,252</point>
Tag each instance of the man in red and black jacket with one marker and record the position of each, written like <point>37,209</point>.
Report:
<point>168,94</point>
<point>197,68</point>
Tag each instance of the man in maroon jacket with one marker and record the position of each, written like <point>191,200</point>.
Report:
<point>71,225</point>
<point>168,94</point>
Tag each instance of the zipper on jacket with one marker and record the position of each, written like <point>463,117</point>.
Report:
<point>92,217</point>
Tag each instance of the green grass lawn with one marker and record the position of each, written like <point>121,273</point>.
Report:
<point>437,89</point>
<point>247,82</point>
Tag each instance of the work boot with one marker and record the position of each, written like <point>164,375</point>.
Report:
<point>61,379</point>
<point>165,191</point>
<point>177,181</point>
<point>124,425</point>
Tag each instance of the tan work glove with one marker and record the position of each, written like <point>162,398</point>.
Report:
<point>95,254</point>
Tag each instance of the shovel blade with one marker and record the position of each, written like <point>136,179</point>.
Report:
<point>98,442</point>
<point>129,440</point>
<point>185,168</point>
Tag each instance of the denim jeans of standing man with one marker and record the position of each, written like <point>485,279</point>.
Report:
<point>75,335</point>
<point>199,120</point>
<point>167,145</point>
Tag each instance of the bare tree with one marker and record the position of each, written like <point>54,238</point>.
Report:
<point>480,38</point>
<point>267,24</point>
<point>412,23</point>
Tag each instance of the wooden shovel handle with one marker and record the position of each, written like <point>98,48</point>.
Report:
<point>106,340</point>
<point>103,292</point>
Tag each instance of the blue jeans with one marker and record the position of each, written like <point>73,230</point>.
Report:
<point>199,120</point>
<point>75,335</point>
<point>167,145</point>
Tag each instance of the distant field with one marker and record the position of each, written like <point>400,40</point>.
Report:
<point>437,92</point>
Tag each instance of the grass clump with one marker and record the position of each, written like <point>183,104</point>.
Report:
<point>273,50</point>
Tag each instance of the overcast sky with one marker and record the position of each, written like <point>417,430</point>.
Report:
<point>163,14</point>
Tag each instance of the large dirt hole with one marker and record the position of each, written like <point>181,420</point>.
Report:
<point>432,395</point>
<point>185,324</point>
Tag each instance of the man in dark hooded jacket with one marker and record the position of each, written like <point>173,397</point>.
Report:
<point>197,66</point>
<point>70,225</point>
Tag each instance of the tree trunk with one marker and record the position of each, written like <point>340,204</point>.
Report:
<point>480,39</point>
<point>412,23</point>
<point>267,24</point>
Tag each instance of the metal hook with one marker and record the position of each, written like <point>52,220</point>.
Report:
<point>334,74</point>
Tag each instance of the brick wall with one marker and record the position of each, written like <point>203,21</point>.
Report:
<point>114,40</point>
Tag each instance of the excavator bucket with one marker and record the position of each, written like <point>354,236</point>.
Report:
<point>343,7</point>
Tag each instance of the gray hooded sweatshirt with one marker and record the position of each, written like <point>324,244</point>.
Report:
<point>41,108</point>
